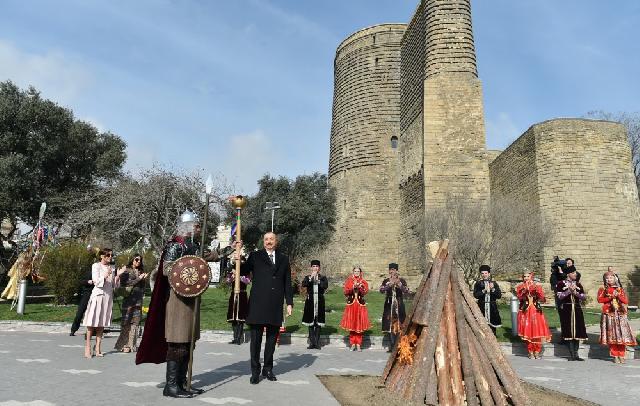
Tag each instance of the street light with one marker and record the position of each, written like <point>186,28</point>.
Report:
<point>208,188</point>
<point>273,206</point>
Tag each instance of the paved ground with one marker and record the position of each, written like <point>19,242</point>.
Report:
<point>48,369</point>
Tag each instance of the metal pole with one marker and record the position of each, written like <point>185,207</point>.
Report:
<point>196,305</point>
<point>514,314</point>
<point>22,295</point>
<point>273,211</point>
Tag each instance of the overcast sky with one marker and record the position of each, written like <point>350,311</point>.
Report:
<point>244,87</point>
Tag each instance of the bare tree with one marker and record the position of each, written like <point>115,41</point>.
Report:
<point>631,121</point>
<point>503,234</point>
<point>143,206</point>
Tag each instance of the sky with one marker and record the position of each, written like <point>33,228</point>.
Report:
<point>240,88</point>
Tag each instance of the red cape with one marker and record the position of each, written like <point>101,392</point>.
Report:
<point>153,346</point>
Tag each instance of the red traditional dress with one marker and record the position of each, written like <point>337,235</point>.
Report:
<point>532,326</point>
<point>356,317</point>
<point>614,324</point>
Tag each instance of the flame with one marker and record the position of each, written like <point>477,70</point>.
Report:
<point>407,348</point>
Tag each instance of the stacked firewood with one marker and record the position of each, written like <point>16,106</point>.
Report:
<point>447,354</point>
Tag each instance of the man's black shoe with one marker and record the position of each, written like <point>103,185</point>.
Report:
<point>311,347</point>
<point>73,333</point>
<point>255,379</point>
<point>269,375</point>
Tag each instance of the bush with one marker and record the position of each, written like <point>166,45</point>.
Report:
<point>64,266</point>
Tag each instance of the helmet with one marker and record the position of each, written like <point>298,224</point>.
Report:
<point>188,217</point>
<point>186,222</point>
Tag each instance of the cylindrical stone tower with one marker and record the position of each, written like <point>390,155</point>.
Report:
<point>362,162</point>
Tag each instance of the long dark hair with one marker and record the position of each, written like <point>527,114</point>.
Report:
<point>130,264</point>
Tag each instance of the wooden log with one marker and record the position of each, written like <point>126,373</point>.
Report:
<point>482,384</point>
<point>426,300</point>
<point>507,376</point>
<point>463,339</point>
<point>453,354</point>
<point>431,396</point>
<point>417,383</point>
<point>435,314</point>
<point>445,396</point>
<point>496,389</point>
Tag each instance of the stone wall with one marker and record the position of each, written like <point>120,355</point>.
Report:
<point>442,151</point>
<point>578,173</point>
<point>363,164</point>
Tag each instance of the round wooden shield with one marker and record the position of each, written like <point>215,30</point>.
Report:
<point>190,276</point>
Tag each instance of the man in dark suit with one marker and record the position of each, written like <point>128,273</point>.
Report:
<point>271,285</point>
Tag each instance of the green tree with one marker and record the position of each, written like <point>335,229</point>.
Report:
<point>46,152</point>
<point>305,220</point>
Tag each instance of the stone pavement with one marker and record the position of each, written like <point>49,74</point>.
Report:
<point>40,368</point>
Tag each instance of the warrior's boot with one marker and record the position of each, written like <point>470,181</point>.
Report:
<point>171,387</point>
<point>182,378</point>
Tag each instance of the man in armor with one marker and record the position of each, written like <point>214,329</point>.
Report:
<point>314,314</point>
<point>168,326</point>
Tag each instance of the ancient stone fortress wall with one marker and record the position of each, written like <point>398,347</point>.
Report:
<point>363,159</point>
<point>411,259</point>
<point>442,152</point>
<point>578,174</point>
<point>454,143</point>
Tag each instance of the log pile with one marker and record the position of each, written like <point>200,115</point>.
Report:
<point>447,354</point>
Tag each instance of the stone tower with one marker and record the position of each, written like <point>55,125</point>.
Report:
<point>442,133</point>
<point>363,150</point>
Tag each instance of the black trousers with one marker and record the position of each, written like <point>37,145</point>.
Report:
<point>82,307</point>
<point>256,345</point>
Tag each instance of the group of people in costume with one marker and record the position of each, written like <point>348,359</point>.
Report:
<point>569,295</point>
<point>172,325</point>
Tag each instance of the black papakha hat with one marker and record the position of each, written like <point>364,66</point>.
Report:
<point>393,265</point>
<point>315,262</point>
<point>485,268</point>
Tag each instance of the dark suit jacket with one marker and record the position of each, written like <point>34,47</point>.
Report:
<point>270,285</point>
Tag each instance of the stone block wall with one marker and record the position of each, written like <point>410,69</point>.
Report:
<point>454,140</point>
<point>363,163</point>
<point>579,174</point>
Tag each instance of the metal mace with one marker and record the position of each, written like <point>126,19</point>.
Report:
<point>238,202</point>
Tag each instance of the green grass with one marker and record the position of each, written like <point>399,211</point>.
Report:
<point>214,310</point>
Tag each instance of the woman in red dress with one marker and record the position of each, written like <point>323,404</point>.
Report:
<point>532,326</point>
<point>614,324</point>
<point>356,317</point>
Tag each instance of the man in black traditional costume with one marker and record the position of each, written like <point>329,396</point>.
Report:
<point>487,292</point>
<point>314,314</point>
<point>394,312</point>
<point>570,294</point>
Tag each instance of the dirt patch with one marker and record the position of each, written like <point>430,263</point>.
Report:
<point>352,390</point>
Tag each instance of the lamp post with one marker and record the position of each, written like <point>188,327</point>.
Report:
<point>208,189</point>
<point>514,306</point>
<point>273,206</point>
